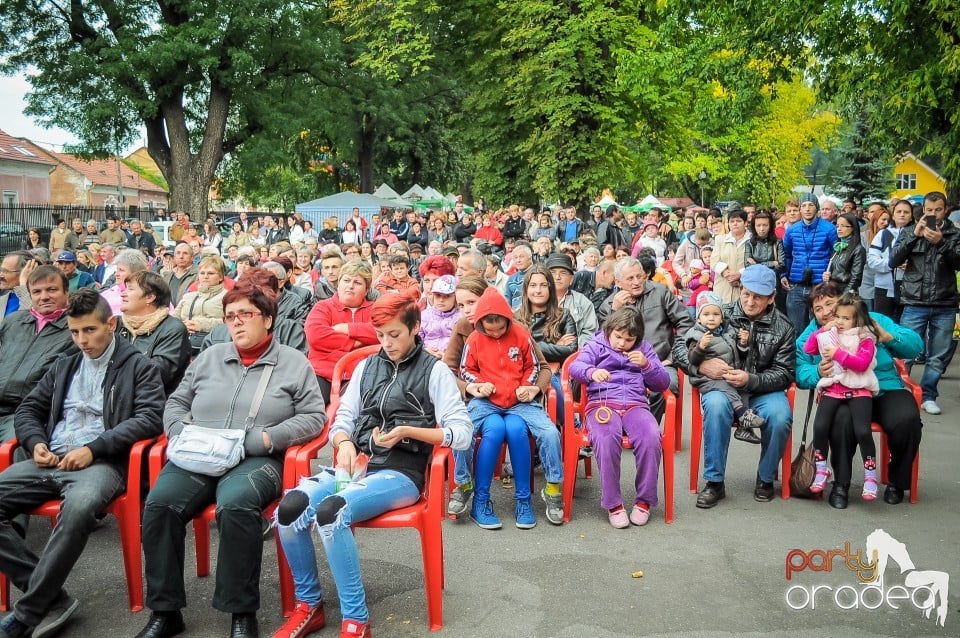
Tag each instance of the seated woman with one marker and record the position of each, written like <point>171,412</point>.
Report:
<point>128,262</point>
<point>146,323</point>
<point>894,408</point>
<point>202,311</point>
<point>337,325</point>
<point>218,391</point>
<point>552,327</point>
<point>390,412</point>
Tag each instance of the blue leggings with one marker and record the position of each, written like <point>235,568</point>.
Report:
<point>493,432</point>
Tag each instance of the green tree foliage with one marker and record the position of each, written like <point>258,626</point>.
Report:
<point>201,77</point>
<point>867,166</point>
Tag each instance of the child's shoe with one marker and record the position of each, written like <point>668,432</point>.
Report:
<point>524,513</point>
<point>752,420</point>
<point>821,478</point>
<point>482,514</point>
<point>745,434</point>
<point>640,514</point>
<point>870,485</point>
<point>618,517</point>
<point>353,629</point>
<point>554,504</point>
<point>459,500</point>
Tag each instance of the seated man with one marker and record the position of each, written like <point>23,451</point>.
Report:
<point>30,339</point>
<point>767,372</point>
<point>78,424</point>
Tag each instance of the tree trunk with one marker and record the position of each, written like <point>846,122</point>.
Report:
<point>189,174</point>
<point>365,155</point>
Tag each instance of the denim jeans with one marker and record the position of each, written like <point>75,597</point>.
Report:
<point>24,486</point>
<point>241,495</point>
<point>717,420</point>
<point>494,432</point>
<point>935,325</point>
<point>378,492</point>
<point>541,428</point>
<point>797,309</point>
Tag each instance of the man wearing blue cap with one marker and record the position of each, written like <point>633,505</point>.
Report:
<point>766,372</point>
<point>807,248</point>
<point>67,262</point>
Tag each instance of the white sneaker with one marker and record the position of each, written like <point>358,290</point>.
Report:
<point>931,407</point>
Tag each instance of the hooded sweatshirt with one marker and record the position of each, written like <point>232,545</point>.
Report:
<point>508,362</point>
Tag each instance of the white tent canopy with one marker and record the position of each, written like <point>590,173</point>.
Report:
<point>341,205</point>
<point>650,200</point>
<point>414,192</point>
<point>606,201</point>
<point>385,192</point>
<point>432,193</point>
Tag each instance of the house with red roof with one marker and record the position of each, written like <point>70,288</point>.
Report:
<point>24,172</point>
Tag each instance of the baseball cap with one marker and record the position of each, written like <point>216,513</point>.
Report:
<point>759,279</point>
<point>451,250</point>
<point>444,285</point>
<point>66,255</point>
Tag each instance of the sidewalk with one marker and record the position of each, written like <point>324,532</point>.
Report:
<point>718,572</point>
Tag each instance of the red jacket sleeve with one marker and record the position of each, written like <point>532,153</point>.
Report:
<point>321,337</point>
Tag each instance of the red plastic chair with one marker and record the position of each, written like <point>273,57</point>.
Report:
<point>426,515</point>
<point>696,442</point>
<point>342,372</point>
<point>573,439</point>
<point>296,464</point>
<point>126,508</point>
<point>884,448</point>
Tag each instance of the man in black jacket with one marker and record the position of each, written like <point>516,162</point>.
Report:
<point>78,425</point>
<point>766,372</point>
<point>931,251</point>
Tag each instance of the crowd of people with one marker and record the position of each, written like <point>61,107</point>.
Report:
<point>231,341</point>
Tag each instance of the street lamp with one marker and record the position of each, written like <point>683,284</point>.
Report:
<point>703,178</point>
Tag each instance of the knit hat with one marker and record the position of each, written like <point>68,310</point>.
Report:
<point>708,299</point>
<point>444,285</point>
<point>810,197</point>
<point>696,263</point>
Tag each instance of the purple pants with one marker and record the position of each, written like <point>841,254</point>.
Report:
<point>607,438</point>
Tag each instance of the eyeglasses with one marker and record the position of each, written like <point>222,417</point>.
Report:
<point>244,316</point>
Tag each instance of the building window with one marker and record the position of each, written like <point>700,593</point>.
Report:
<point>9,198</point>
<point>906,181</point>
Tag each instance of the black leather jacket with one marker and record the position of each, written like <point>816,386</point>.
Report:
<point>551,351</point>
<point>25,355</point>
<point>930,278</point>
<point>515,228</point>
<point>763,253</point>
<point>846,267</point>
<point>464,233</point>
<point>771,357</point>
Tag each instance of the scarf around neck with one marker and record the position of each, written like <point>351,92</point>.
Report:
<point>144,324</point>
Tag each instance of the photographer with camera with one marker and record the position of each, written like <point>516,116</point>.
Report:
<point>807,247</point>
<point>931,250</point>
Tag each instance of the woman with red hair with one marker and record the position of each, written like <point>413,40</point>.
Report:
<point>389,411</point>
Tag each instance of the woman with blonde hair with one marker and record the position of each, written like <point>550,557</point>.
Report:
<point>202,310</point>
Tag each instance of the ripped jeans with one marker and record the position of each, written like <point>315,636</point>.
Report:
<point>332,513</point>
<point>241,495</point>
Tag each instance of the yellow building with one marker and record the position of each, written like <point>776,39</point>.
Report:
<point>913,176</point>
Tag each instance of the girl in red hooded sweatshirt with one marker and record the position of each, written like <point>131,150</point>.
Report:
<point>500,367</point>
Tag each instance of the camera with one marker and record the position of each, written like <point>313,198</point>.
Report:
<point>807,279</point>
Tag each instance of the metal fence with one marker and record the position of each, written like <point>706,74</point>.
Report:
<point>43,215</point>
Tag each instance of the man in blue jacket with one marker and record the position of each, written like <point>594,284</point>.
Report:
<point>807,247</point>
<point>77,425</point>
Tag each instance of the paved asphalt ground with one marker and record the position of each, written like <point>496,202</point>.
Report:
<point>718,572</point>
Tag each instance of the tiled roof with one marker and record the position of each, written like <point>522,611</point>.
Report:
<point>18,150</point>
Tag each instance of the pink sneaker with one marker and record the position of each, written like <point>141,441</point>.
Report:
<point>869,489</point>
<point>640,514</point>
<point>619,518</point>
<point>820,481</point>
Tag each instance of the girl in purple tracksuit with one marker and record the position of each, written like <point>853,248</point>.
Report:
<point>617,367</point>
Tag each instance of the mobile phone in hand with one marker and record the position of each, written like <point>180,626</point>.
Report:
<point>930,222</point>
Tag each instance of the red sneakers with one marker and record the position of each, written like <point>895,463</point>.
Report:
<point>353,629</point>
<point>304,620</point>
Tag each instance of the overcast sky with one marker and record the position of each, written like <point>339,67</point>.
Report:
<point>15,123</point>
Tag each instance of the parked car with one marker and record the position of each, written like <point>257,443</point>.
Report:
<point>12,236</point>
